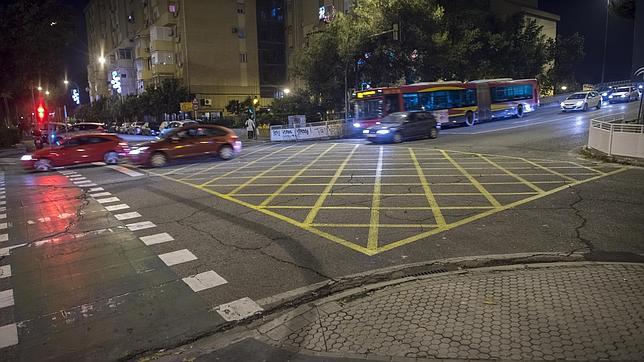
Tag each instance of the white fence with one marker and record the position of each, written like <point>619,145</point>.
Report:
<point>609,135</point>
<point>312,131</point>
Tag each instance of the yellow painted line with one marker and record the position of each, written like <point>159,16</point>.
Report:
<point>431,200</point>
<point>523,181</point>
<point>294,177</point>
<point>245,165</point>
<point>490,212</point>
<point>281,217</point>
<point>177,170</point>
<point>223,164</point>
<point>474,182</point>
<point>374,221</point>
<point>586,167</point>
<point>551,171</point>
<point>261,174</point>
<point>320,201</point>
<point>382,194</point>
<point>371,225</point>
<point>381,207</point>
<point>400,184</point>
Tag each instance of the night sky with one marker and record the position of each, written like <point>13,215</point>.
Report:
<point>584,16</point>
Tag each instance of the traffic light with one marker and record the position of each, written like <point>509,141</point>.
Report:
<point>396,31</point>
<point>41,113</point>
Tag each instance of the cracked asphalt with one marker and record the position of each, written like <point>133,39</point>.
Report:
<point>263,249</point>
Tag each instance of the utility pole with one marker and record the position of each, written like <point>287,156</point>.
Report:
<point>605,42</point>
<point>640,115</point>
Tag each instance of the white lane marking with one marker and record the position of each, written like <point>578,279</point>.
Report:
<point>177,257</point>
<point>238,309</point>
<point>107,199</point>
<point>99,163</point>
<point>100,194</point>
<point>5,271</point>
<point>4,237</point>
<point>6,298</point>
<point>77,177</point>
<point>8,335</point>
<point>44,219</point>
<point>140,225</point>
<point>3,202</point>
<point>3,216</point>
<point>94,189</point>
<point>117,207</point>
<point>156,239</point>
<point>65,215</point>
<point>3,208</point>
<point>125,170</point>
<point>6,251</point>
<point>82,182</point>
<point>127,215</point>
<point>205,280</point>
<point>3,225</point>
<point>87,185</point>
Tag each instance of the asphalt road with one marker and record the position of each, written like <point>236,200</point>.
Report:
<point>127,259</point>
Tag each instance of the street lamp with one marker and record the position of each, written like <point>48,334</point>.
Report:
<point>46,92</point>
<point>563,87</point>
<point>39,88</point>
<point>66,82</point>
<point>101,60</point>
<point>286,91</point>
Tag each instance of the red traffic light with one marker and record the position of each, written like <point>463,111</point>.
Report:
<point>42,112</point>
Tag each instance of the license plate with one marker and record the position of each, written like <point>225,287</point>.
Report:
<point>371,135</point>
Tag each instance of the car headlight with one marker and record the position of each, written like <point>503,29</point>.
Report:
<point>382,131</point>
<point>623,95</point>
<point>356,125</point>
<point>561,104</point>
<point>26,158</point>
<point>365,131</point>
<point>605,94</point>
<point>610,96</point>
<point>137,151</point>
<point>579,103</point>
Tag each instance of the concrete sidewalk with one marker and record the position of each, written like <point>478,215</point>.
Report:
<point>580,310</point>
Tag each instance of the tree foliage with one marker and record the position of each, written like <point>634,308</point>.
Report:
<point>566,52</point>
<point>438,40</point>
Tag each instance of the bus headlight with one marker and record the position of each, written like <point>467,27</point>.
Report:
<point>356,125</point>
<point>365,131</point>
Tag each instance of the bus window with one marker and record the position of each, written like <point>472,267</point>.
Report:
<point>411,102</point>
<point>391,104</point>
<point>511,93</point>
<point>469,97</point>
<point>368,109</point>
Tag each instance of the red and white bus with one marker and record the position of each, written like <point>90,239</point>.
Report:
<point>452,102</point>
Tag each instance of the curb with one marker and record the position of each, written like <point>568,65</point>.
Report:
<point>593,154</point>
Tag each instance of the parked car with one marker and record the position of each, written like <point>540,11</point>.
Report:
<point>150,129</point>
<point>124,127</point>
<point>135,128</point>
<point>51,132</point>
<point>581,101</point>
<point>78,149</point>
<point>87,126</point>
<point>605,92</point>
<point>624,94</point>
<point>401,126</point>
<point>187,141</point>
<point>174,125</point>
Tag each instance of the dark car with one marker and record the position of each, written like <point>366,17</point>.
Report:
<point>401,126</point>
<point>188,141</point>
<point>77,149</point>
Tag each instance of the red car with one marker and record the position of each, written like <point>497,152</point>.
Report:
<point>78,149</point>
<point>188,141</point>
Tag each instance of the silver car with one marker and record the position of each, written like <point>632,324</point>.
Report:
<point>624,94</point>
<point>581,101</point>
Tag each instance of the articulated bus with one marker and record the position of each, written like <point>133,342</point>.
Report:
<point>451,102</point>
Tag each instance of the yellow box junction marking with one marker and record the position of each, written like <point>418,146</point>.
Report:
<point>371,203</point>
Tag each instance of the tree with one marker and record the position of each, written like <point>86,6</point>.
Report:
<point>301,102</point>
<point>566,52</point>
<point>164,98</point>
<point>623,8</point>
<point>239,108</point>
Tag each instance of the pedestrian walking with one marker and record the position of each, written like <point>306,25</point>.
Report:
<point>250,127</point>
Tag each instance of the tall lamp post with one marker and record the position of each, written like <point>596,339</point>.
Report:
<point>640,116</point>
<point>605,42</point>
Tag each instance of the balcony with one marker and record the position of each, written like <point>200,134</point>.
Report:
<point>164,45</point>
<point>166,19</point>
<point>163,69</point>
<point>144,74</point>
<point>140,53</point>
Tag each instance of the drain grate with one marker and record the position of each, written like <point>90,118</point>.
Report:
<point>427,272</point>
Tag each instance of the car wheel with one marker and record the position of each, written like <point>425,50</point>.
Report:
<point>433,133</point>
<point>469,118</point>
<point>158,160</point>
<point>398,137</point>
<point>585,107</point>
<point>599,105</point>
<point>43,165</point>
<point>111,158</point>
<point>519,113</point>
<point>226,153</point>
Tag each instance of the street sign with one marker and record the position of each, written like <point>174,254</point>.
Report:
<point>186,106</point>
<point>195,104</point>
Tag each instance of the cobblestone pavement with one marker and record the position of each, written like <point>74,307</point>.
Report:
<point>562,311</point>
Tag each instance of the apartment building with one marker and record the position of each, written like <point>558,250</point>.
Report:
<point>212,46</point>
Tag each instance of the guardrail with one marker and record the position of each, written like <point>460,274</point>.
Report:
<point>310,131</point>
<point>611,135</point>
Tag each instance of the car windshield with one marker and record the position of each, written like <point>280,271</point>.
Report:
<point>368,109</point>
<point>577,96</point>
<point>395,118</point>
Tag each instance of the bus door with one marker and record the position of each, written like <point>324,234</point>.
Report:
<point>484,101</point>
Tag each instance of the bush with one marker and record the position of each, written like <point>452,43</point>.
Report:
<point>9,137</point>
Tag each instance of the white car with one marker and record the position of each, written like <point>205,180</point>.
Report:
<point>173,125</point>
<point>624,94</point>
<point>582,101</point>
